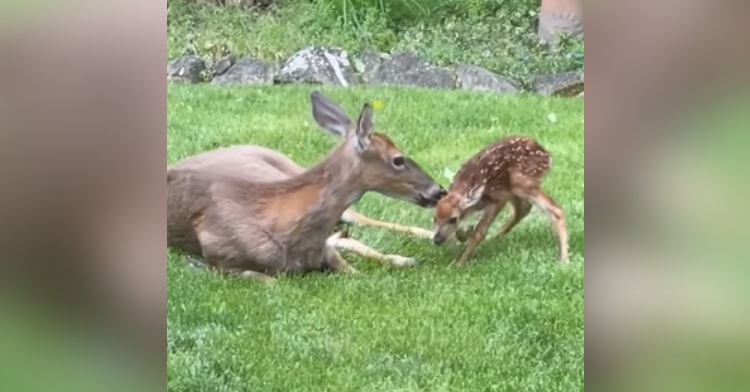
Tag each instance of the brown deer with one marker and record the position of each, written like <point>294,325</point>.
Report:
<point>509,170</point>
<point>252,212</point>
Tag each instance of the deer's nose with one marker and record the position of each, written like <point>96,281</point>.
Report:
<point>438,239</point>
<point>437,192</point>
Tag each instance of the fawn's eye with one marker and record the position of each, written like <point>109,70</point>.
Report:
<point>399,161</point>
<point>453,221</point>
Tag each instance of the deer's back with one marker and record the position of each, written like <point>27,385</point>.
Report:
<point>253,163</point>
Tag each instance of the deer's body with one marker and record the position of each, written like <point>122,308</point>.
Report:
<point>251,211</point>
<point>190,182</point>
<point>510,170</point>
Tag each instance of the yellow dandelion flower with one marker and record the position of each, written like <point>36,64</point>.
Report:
<point>377,105</point>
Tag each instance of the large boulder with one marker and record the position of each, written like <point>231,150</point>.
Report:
<point>367,62</point>
<point>318,65</point>
<point>244,71</point>
<point>223,64</point>
<point>474,78</point>
<point>565,84</point>
<point>186,69</point>
<point>408,69</point>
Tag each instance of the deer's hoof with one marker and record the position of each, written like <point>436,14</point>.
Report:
<point>351,271</point>
<point>401,261</point>
<point>196,264</point>
<point>422,233</point>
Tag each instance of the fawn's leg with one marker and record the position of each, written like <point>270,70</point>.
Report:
<point>350,216</point>
<point>521,209</point>
<point>557,217</point>
<point>480,231</point>
<point>339,241</point>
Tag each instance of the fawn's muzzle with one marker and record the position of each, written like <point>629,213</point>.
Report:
<point>438,239</point>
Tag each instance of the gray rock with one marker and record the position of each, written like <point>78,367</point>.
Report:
<point>247,71</point>
<point>407,69</point>
<point>566,84</point>
<point>471,77</point>
<point>317,65</point>
<point>186,69</point>
<point>367,62</point>
<point>372,59</point>
<point>223,64</point>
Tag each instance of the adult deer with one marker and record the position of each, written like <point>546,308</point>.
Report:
<point>252,212</point>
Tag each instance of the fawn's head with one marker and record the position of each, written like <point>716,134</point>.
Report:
<point>451,210</point>
<point>383,167</point>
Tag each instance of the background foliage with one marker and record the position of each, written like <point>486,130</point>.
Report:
<point>499,35</point>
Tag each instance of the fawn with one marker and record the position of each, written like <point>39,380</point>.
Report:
<point>509,170</point>
<point>251,212</point>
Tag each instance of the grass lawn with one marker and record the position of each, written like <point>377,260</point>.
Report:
<point>513,320</point>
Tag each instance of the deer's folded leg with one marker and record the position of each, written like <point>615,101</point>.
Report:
<point>352,217</point>
<point>341,241</point>
<point>247,274</point>
<point>337,263</point>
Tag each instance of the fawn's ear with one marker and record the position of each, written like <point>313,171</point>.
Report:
<point>328,115</point>
<point>363,132</point>
<point>473,197</point>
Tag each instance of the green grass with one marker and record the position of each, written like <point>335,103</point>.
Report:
<point>513,320</point>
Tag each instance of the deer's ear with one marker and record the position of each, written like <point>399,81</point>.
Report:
<point>328,115</point>
<point>473,197</point>
<point>363,132</point>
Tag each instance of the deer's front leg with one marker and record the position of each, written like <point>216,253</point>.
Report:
<point>340,241</point>
<point>337,263</point>
<point>352,217</point>
<point>479,232</point>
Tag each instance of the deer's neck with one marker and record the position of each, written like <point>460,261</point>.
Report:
<point>333,185</point>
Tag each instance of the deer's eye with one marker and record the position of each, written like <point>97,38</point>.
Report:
<point>399,161</point>
<point>453,221</point>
